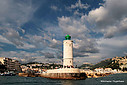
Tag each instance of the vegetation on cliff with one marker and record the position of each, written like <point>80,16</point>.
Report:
<point>108,63</point>
<point>86,66</point>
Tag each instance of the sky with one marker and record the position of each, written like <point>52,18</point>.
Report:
<point>34,30</point>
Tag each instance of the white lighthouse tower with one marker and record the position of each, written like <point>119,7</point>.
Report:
<point>67,52</point>
<point>68,71</point>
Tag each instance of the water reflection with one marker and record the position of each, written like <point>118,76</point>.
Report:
<point>67,82</point>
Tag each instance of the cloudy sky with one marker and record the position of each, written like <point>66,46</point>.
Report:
<point>33,30</point>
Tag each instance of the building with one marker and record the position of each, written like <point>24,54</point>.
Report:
<point>68,71</point>
<point>0,63</point>
<point>34,65</point>
<point>120,60</point>
<point>24,68</point>
<point>123,61</point>
<point>123,66</point>
<point>67,52</point>
<point>108,70</point>
<point>10,64</point>
<point>101,70</point>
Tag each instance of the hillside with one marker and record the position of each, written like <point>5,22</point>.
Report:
<point>108,63</point>
<point>86,66</point>
<point>103,63</point>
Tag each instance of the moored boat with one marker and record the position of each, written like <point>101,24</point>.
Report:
<point>8,74</point>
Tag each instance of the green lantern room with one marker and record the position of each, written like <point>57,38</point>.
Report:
<point>67,37</point>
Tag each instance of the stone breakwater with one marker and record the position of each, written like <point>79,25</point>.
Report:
<point>56,75</point>
<point>64,75</point>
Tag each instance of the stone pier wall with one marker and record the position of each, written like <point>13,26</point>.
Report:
<point>64,75</point>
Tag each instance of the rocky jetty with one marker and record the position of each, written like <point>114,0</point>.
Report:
<point>64,75</point>
<point>28,75</point>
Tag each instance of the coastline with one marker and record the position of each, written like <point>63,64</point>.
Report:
<point>89,74</point>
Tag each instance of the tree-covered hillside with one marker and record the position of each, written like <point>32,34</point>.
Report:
<point>108,63</point>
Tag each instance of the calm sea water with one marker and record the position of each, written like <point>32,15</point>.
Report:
<point>109,80</point>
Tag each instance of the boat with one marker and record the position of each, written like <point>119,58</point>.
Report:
<point>7,74</point>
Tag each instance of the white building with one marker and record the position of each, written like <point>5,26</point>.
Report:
<point>107,70</point>
<point>10,64</point>
<point>101,70</point>
<point>67,52</point>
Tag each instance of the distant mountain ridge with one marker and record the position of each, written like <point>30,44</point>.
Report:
<point>113,63</point>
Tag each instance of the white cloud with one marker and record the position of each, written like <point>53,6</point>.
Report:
<point>119,42</point>
<point>111,47</point>
<point>79,5</point>
<point>26,46</point>
<point>125,53</point>
<point>90,59</point>
<point>97,15</point>
<point>110,18</point>
<point>25,57</point>
<point>76,12</point>
<point>72,26</point>
<point>12,37</point>
<point>15,12</point>
<point>55,44</point>
<point>4,40</point>
<point>55,8</point>
<point>44,41</point>
<point>48,55</point>
<point>22,56</point>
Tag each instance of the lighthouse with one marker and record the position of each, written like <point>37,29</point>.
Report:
<point>67,72</point>
<point>67,52</point>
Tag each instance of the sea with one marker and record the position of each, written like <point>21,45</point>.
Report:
<point>114,79</point>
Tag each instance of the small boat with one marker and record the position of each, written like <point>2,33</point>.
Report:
<point>8,74</point>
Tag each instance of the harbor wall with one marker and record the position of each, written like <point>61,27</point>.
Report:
<point>64,75</point>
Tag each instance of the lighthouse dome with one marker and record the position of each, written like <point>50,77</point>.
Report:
<point>67,37</point>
